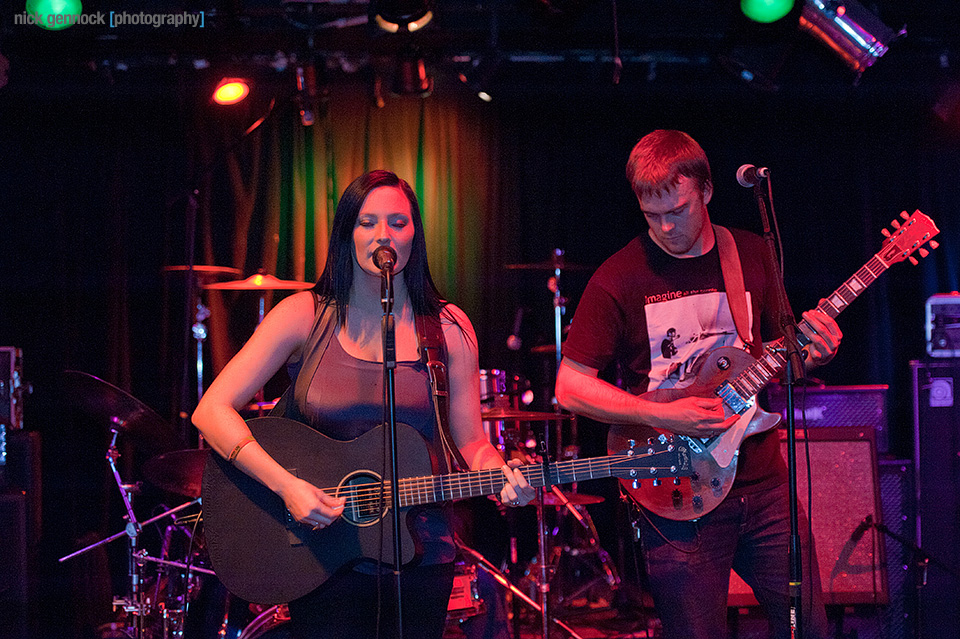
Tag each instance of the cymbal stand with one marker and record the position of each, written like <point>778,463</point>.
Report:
<point>133,603</point>
<point>559,306</point>
<point>559,310</point>
<point>200,335</point>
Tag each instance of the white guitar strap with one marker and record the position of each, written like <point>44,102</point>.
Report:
<point>733,282</point>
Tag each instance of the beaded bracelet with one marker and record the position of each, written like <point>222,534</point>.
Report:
<point>236,451</point>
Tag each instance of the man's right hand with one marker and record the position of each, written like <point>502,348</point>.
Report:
<point>691,416</point>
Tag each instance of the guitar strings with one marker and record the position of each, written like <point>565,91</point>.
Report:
<point>416,490</point>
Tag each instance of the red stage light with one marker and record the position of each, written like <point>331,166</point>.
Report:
<point>231,91</point>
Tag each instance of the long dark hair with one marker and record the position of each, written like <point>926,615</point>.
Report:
<point>337,276</point>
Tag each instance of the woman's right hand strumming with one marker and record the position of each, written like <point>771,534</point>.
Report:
<point>309,505</point>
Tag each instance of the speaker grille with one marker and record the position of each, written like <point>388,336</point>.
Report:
<point>845,491</point>
<point>837,407</point>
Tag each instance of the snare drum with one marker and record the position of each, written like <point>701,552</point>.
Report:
<point>272,623</point>
<point>499,389</point>
<point>493,388</point>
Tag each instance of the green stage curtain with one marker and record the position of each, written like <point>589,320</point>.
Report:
<point>269,203</point>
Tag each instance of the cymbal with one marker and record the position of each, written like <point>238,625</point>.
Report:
<point>179,471</point>
<point>544,349</point>
<point>118,409</point>
<point>510,415</point>
<point>261,281</point>
<point>550,265</point>
<point>259,406</point>
<point>206,272</point>
<point>577,499</point>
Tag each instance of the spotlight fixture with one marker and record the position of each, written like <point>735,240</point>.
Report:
<point>766,11</point>
<point>402,15</point>
<point>849,29</point>
<point>231,91</point>
<point>55,15</point>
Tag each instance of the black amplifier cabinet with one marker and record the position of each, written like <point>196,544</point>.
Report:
<point>837,407</point>
<point>936,394</point>
<point>11,387</point>
<point>943,325</point>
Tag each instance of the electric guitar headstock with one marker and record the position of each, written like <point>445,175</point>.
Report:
<point>907,238</point>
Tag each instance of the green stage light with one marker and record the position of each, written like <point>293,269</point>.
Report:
<point>55,15</point>
<point>766,11</point>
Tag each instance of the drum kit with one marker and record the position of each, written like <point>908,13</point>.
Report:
<point>164,583</point>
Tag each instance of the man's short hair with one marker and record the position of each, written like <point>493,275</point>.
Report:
<point>661,157</point>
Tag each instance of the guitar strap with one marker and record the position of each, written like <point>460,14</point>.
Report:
<point>733,282</point>
<point>433,353</point>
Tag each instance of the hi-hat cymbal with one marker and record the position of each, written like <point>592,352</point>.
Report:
<point>550,265</point>
<point>118,409</point>
<point>577,499</point>
<point>510,415</point>
<point>207,272</point>
<point>260,406</point>
<point>544,349</point>
<point>179,471</point>
<point>261,281</point>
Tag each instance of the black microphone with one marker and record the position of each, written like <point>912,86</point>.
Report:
<point>860,530</point>
<point>384,258</point>
<point>748,175</point>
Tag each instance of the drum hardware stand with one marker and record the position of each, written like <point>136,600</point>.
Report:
<point>200,335</point>
<point>606,574</point>
<point>484,564</point>
<point>921,560</point>
<point>133,603</point>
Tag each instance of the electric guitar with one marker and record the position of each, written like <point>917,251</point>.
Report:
<point>262,555</point>
<point>736,377</point>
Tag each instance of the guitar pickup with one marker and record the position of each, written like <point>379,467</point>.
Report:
<point>694,446</point>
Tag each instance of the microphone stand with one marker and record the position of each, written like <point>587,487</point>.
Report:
<point>387,329</point>
<point>794,363</point>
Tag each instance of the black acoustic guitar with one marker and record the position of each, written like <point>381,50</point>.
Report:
<point>736,377</point>
<point>262,555</point>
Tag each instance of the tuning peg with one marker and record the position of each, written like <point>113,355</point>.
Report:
<point>934,244</point>
<point>635,484</point>
<point>884,232</point>
<point>656,482</point>
<point>676,481</point>
<point>923,252</point>
<point>913,260</point>
<point>904,215</point>
<point>895,224</point>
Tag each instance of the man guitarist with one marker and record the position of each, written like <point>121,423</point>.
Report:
<point>670,281</point>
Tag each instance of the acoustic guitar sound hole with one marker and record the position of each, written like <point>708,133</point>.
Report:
<point>365,504</point>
